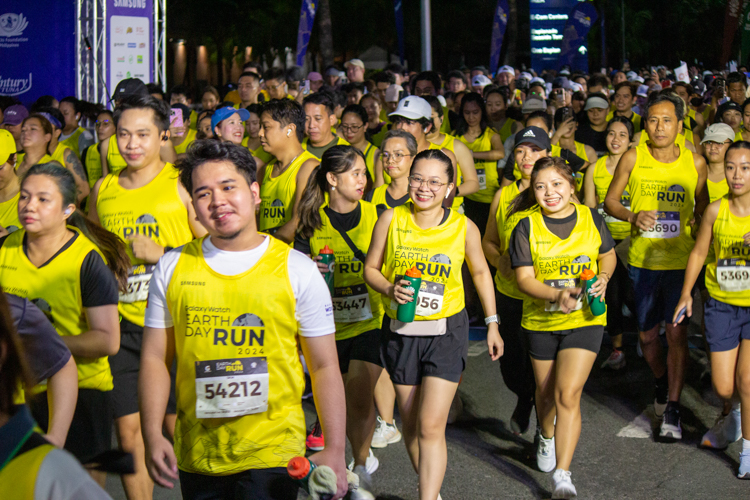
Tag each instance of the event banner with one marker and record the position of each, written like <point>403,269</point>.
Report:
<point>37,49</point>
<point>306,22</point>
<point>580,20</point>
<point>548,19</point>
<point>499,24</point>
<point>130,39</point>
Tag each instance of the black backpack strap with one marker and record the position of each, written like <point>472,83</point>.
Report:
<point>358,254</point>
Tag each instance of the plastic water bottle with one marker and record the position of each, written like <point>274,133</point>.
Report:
<point>301,470</point>
<point>406,312</point>
<point>327,258</point>
<point>596,304</point>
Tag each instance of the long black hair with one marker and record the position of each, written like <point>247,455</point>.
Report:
<point>462,127</point>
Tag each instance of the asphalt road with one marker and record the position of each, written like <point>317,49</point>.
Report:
<point>486,461</point>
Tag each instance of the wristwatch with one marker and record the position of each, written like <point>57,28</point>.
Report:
<point>491,319</point>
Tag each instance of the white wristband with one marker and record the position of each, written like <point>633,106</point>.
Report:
<point>491,319</point>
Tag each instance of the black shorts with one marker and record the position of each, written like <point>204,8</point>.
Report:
<point>545,345</point>
<point>726,325</point>
<point>408,359</point>
<point>91,429</point>
<point>253,484</point>
<point>363,347</point>
<point>126,365</point>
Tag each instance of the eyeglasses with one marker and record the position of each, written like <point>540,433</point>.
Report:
<point>392,156</point>
<point>351,128</point>
<point>416,182</point>
<point>101,123</point>
<point>273,87</point>
<point>712,144</point>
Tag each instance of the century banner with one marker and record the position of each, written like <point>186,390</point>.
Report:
<point>130,41</point>
<point>37,49</point>
<point>499,24</point>
<point>306,21</point>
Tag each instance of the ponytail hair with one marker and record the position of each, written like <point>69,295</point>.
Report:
<point>526,199</point>
<point>112,247</point>
<point>337,160</point>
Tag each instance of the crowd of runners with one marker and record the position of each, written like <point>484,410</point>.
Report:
<point>167,272</point>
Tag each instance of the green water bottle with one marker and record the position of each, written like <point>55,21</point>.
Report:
<point>327,258</point>
<point>596,304</point>
<point>405,312</point>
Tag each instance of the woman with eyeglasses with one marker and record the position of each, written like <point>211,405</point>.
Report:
<point>353,127</point>
<point>426,357</point>
<point>91,157</point>
<point>399,147</point>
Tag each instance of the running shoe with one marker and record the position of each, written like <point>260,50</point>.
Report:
<point>725,431</point>
<point>315,441</point>
<point>371,464</point>
<point>744,470</point>
<point>385,434</point>
<point>519,421</point>
<point>362,492</point>
<point>615,361</point>
<point>563,485</point>
<point>670,424</point>
<point>546,460</point>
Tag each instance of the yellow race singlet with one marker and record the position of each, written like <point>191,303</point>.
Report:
<point>507,129</point>
<point>259,153</point>
<point>44,159</point>
<point>155,210</point>
<point>507,284</point>
<point>377,139</point>
<point>437,252</point>
<point>668,188</point>
<point>602,179</point>
<point>448,143</point>
<point>357,308</point>
<point>635,118</point>
<point>115,161</point>
<point>93,164</point>
<point>486,170</point>
<point>716,189</point>
<point>189,139</point>
<point>18,479</point>
<point>9,214</point>
<point>687,135</point>
<point>58,154</point>
<point>55,288</point>
<point>728,276</point>
<point>340,141</point>
<point>72,141</point>
<point>277,193</point>
<point>239,378</point>
<point>369,154</point>
<point>559,263</point>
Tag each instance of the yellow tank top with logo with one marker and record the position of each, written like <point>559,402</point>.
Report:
<point>448,143</point>
<point>93,164</point>
<point>259,153</point>
<point>728,274</point>
<point>507,129</point>
<point>277,193</point>
<point>716,190</point>
<point>18,479</point>
<point>486,170</point>
<point>58,154</point>
<point>239,379</point>
<point>72,141</point>
<point>189,139</point>
<point>357,308</point>
<point>55,288</point>
<point>155,210</point>
<point>668,188</point>
<point>635,119</point>
<point>115,161</point>
<point>9,214</point>
<point>602,179</point>
<point>507,284</point>
<point>369,154</point>
<point>559,263</point>
<point>438,252</point>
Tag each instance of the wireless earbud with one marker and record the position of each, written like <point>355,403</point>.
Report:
<point>288,132</point>
<point>67,212</point>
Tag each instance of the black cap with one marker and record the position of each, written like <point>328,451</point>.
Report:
<point>727,106</point>
<point>128,87</point>
<point>532,135</point>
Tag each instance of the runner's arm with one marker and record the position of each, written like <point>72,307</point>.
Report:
<point>102,338</point>
<point>73,164</point>
<point>468,170</point>
<point>103,150</point>
<point>375,255</point>
<point>701,190</point>
<point>496,153</point>
<point>589,188</point>
<point>620,179</point>
<point>491,243</point>
<point>286,232</point>
<point>62,394</point>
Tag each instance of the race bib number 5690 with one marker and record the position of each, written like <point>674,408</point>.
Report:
<point>231,387</point>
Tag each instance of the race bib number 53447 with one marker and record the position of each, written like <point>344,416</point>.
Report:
<point>231,387</point>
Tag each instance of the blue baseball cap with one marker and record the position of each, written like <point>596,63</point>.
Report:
<point>222,114</point>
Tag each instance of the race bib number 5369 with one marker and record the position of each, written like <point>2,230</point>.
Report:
<point>231,387</point>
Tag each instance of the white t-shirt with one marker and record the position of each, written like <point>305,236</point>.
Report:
<point>313,310</point>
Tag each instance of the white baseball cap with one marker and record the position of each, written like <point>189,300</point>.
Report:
<point>480,81</point>
<point>507,69</point>
<point>413,108</point>
<point>596,102</point>
<point>718,132</point>
<point>642,91</point>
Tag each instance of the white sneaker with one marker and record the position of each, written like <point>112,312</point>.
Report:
<point>725,431</point>
<point>365,485</point>
<point>385,434</point>
<point>563,485</point>
<point>546,460</point>
<point>371,464</point>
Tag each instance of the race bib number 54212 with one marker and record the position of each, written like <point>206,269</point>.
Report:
<point>231,387</point>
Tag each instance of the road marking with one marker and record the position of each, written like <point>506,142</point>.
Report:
<point>478,348</point>
<point>640,427</point>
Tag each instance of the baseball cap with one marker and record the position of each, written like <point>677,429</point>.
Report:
<point>332,72</point>
<point>532,135</point>
<point>128,87</point>
<point>185,110</point>
<point>7,145</point>
<point>699,87</point>
<point>413,108</point>
<point>576,87</point>
<point>507,69</point>
<point>480,81</point>
<point>642,91</point>
<point>354,62</point>
<point>561,82</point>
<point>392,93</point>
<point>532,104</point>
<point>631,75</point>
<point>15,115</point>
<point>526,76</point>
<point>537,79</point>
<point>727,106</point>
<point>717,132</point>
<point>596,102</point>
<point>564,72</point>
<point>222,114</point>
<point>314,76</point>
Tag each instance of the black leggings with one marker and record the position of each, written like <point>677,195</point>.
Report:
<point>515,364</point>
<point>619,292</point>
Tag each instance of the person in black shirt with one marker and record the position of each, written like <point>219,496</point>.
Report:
<point>593,130</point>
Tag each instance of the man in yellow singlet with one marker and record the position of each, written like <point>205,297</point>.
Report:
<point>248,86</point>
<point>239,381</point>
<point>624,100</point>
<point>320,118</point>
<point>667,184</point>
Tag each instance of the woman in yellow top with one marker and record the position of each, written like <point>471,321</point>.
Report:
<point>252,136</point>
<point>473,130</point>
<point>596,183</point>
<point>9,185</point>
<point>549,249</point>
<point>716,141</point>
<point>60,260</point>
<point>426,357</point>
<point>726,228</point>
<point>496,100</point>
<point>357,309</point>
<point>353,125</point>
<point>91,156</point>
<point>36,134</point>
<point>399,149</point>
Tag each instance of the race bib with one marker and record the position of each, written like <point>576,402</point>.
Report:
<point>551,306</point>
<point>429,299</point>
<point>667,226</point>
<point>608,219</point>
<point>733,275</point>
<point>482,178</point>
<point>231,387</point>
<point>139,278</point>
<point>351,304</point>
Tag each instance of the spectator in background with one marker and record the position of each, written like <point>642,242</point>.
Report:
<point>332,76</point>
<point>294,77</point>
<point>275,81</point>
<point>248,87</point>
<point>45,101</point>
<point>397,71</point>
<point>316,81</point>
<point>393,95</point>
<point>155,90</point>
<point>210,98</point>
<point>355,70</point>
<point>354,92</point>
<point>479,82</point>
<point>13,117</point>
<point>598,83</point>
<point>456,81</point>
<point>74,136</point>
<point>383,80</point>
<point>593,130</point>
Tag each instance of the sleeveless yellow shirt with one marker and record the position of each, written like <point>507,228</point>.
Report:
<point>507,285</point>
<point>9,214</point>
<point>93,164</point>
<point>259,153</point>
<point>189,139</point>
<point>602,179</point>
<point>486,170</point>
<point>728,275</point>
<point>115,161</point>
<point>716,189</point>
<point>448,143</point>
<point>72,141</point>
<point>277,193</point>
